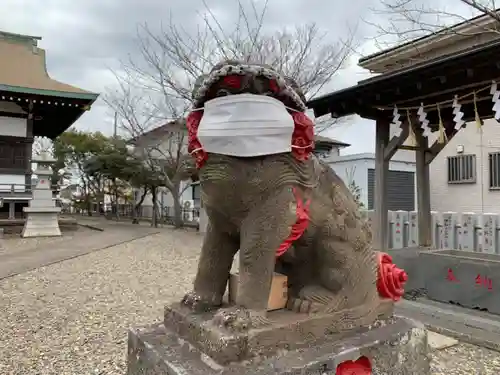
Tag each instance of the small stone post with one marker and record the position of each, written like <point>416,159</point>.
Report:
<point>42,213</point>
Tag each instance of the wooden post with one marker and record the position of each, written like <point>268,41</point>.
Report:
<point>380,229</point>
<point>423,192</point>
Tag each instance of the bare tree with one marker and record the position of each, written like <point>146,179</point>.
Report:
<point>155,85</point>
<point>399,21</point>
<point>171,59</point>
<point>160,147</point>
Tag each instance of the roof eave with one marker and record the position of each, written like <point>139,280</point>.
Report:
<point>322,101</point>
<point>60,94</point>
<point>451,34</point>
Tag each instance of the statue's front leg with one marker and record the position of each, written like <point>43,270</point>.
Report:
<point>214,265</point>
<point>262,232</point>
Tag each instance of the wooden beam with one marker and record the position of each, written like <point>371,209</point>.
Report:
<point>423,192</point>
<point>408,148</point>
<point>380,232</point>
<point>437,147</point>
<point>396,142</point>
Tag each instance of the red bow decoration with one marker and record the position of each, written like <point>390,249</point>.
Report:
<point>361,366</point>
<point>391,279</point>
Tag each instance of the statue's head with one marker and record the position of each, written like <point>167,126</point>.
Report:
<point>229,103</point>
<point>232,77</point>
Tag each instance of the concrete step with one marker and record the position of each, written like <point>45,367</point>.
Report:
<point>467,325</point>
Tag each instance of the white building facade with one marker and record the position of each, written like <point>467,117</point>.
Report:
<point>161,143</point>
<point>465,176</point>
<point>360,169</point>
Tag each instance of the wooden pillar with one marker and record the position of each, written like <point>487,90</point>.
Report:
<point>423,192</point>
<point>12,210</point>
<point>380,228</point>
<point>28,153</point>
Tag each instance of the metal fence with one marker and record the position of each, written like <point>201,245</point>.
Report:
<point>190,217</point>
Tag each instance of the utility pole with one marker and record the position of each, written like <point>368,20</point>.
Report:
<point>115,129</point>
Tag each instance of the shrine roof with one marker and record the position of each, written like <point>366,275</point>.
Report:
<point>54,106</point>
<point>465,28</point>
<point>23,70</point>
<point>320,139</point>
<point>427,82</point>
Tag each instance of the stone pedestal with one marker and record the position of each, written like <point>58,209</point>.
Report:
<point>189,343</point>
<point>42,214</point>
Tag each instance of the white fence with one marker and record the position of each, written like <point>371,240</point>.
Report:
<point>466,231</point>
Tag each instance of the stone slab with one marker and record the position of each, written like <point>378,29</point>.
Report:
<point>482,329</point>
<point>408,259</point>
<point>440,342</point>
<point>396,346</point>
<point>467,278</point>
<point>289,330</point>
<point>41,224</point>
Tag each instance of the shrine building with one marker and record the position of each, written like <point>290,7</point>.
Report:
<point>31,104</point>
<point>421,95</point>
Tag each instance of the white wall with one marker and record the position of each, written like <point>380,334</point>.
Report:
<point>358,165</point>
<point>475,197</point>
<point>6,180</point>
<point>14,127</point>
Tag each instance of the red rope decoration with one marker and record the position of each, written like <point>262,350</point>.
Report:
<point>233,81</point>
<point>299,227</point>
<point>303,136</point>
<point>194,145</point>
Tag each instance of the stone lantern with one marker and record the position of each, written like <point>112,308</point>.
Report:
<point>42,214</point>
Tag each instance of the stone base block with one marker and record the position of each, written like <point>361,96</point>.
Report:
<point>41,224</point>
<point>395,346</point>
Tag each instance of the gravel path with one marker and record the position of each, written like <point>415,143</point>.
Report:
<point>72,317</point>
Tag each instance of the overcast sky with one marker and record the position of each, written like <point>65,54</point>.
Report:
<point>84,39</point>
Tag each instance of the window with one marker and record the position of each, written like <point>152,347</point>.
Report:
<point>13,155</point>
<point>462,169</point>
<point>494,164</point>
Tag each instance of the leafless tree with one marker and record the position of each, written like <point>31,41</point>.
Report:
<point>399,21</point>
<point>155,85</point>
<point>170,60</point>
<point>159,144</point>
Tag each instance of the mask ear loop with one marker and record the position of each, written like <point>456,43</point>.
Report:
<point>297,113</point>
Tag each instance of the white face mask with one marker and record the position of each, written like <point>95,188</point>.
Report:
<point>246,125</point>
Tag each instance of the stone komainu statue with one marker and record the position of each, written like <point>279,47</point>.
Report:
<point>269,197</point>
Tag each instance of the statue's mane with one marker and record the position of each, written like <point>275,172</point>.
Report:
<point>233,77</point>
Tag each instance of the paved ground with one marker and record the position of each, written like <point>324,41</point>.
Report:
<point>72,317</point>
<point>21,255</point>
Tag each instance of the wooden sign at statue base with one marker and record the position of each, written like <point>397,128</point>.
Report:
<point>278,294</point>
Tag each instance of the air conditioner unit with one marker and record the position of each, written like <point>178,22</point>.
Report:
<point>188,210</point>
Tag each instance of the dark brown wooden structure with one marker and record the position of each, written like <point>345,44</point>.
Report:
<point>48,107</point>
<point>432,81</point>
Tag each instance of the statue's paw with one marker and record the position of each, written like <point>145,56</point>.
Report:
<point>303,306</point>
<point>197,303</point>
<point>239,319</point>
<point>317,294</point>
<point>311,299</point>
